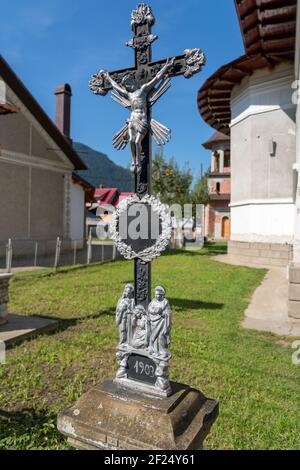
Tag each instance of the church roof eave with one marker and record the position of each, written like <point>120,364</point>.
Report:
<point>9,76</point>
<point>269,31</point>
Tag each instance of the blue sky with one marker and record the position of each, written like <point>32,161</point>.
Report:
<point>51,42</point>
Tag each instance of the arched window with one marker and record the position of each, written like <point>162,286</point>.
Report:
<point>218,187</point>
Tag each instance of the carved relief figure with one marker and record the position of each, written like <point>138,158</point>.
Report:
<point>137,99</point>
<point>140,328</point>
<point>160,318</point>
<point>124,311</point>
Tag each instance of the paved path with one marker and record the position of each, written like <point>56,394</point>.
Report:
<point>239,261</point>
<point>19,327</point>
<point>268,310</point>
<point>22,269</point>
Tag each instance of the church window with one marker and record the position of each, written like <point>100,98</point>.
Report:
<point>227,159</point>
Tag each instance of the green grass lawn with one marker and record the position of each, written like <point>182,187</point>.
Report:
<point>250,373</point>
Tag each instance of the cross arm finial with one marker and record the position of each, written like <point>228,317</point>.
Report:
<point>141,16</point>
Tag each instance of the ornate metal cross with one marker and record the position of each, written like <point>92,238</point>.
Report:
<point>143,352</point>
<point>135,88</point>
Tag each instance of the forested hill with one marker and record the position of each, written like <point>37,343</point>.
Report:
<point>103,171</point>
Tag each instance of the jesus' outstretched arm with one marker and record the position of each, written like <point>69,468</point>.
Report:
<point>115,85</point>
<point>159,76</point>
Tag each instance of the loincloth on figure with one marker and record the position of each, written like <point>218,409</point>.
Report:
<point>138,125</point>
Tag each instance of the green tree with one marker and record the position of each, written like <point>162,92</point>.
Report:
<point>200,194</point>
<point>170,182</point>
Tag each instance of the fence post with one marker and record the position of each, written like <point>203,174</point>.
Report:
<point>8,256</point>
<point>35,253</point>
<point>114,253</point>
<point>89,248</point>
<point>57,253</point>
<point>75,252</point>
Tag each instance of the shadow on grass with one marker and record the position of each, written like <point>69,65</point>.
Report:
<point>28,429</point>
<point>65,323</point>
<point>209,249</point>
<point>216,248</point>
<point>62,325</point>
<point>185,304</point>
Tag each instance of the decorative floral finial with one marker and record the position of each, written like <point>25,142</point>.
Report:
<point>194,60</point>
<point>143,14</point>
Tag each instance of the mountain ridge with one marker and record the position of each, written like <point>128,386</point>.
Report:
<point>103,171</point>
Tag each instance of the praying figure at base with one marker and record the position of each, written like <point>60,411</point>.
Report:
<point>138,99</point>
<point>140,328</point>
<point>124,311</point>
<point>160,320</point>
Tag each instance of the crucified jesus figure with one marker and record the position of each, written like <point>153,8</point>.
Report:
<point>138,100</point>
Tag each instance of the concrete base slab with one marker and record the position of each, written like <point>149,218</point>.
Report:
<point>261,253</point>
<point>19,327</point>
<point>294,291</point>
<point>113,417</point>
<point>294,309</point>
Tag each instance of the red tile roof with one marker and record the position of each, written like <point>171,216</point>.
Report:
<point>109,196</point>
<point>215,138</point>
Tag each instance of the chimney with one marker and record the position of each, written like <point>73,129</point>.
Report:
<point>63,95</point>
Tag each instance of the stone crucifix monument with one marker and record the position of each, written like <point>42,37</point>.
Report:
<point>141,408</point>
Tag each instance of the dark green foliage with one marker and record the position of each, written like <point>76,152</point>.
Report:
<point>174,185</point>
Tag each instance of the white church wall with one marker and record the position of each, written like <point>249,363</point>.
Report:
<point>263,221</point>
<point>262,206</point>
<point>296,91</point>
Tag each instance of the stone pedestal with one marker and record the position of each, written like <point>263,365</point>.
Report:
<point>114,417</point>
<point>294,291</point>
<point>4,283</point>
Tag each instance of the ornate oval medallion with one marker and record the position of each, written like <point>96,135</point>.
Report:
<point>141,228</point>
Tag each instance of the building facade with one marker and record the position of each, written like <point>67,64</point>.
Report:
<point>217,211</point>
<point>251,99</point>
<point>101,209</point>
<point>40,197</point>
